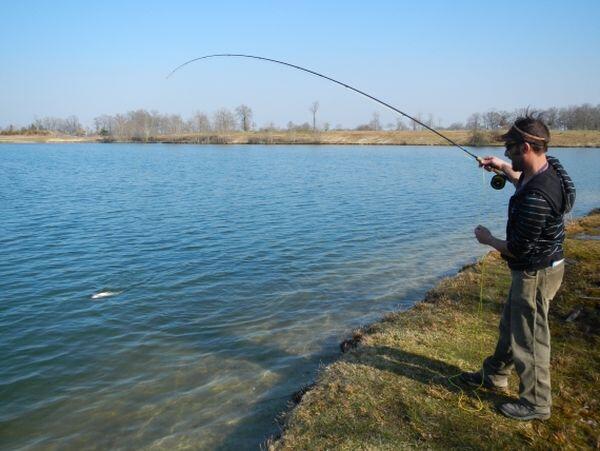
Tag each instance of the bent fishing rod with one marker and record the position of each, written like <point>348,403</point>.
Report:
<point>498,180</point>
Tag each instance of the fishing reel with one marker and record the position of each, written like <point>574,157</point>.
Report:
<point>498,181</point>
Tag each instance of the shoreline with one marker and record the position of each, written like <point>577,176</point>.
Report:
<point>390,387</point>
<point>569,139</point>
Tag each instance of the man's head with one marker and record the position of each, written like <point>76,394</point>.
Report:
<point>526,140</point>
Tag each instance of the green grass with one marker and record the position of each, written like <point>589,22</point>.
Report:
<point>394,389</point>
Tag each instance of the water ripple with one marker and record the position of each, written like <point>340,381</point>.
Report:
<point>238,270</point>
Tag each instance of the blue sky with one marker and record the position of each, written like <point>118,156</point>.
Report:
<point>448,59</point>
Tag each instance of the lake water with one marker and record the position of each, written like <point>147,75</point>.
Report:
<point>235,273</point>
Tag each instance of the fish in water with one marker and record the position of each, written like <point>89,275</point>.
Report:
<point>105,294</point>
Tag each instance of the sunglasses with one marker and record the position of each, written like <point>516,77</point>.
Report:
<point>510,145</point>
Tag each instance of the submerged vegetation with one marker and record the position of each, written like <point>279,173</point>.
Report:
<point>393,388</point>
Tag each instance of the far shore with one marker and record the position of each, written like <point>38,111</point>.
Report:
<point>569,138</point>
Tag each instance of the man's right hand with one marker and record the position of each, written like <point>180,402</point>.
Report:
<point>490,163</point>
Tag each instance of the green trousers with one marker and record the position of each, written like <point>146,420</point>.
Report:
<point>524,341</point>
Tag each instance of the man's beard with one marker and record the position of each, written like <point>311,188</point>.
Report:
<point>517,164</point>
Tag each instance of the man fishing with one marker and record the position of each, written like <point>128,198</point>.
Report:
<point>534,251</point>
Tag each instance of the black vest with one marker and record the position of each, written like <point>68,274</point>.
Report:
<point>548,248</point>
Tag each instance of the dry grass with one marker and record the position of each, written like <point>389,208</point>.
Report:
<point>393,391</point>
<point>571,138</point>
<point>45,138</point>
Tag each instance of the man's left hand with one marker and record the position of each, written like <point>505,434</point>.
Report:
<point>483,235</point>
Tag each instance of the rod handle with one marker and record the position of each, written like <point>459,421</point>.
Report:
<point>497,171</point>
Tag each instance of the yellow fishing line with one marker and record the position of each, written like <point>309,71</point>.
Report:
<point>462,396</point>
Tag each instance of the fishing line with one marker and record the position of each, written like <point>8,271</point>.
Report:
<point>497,182</point>
<point>345,85</point>
<point>475,390</point>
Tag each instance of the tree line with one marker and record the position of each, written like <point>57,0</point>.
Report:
<point>578,117</point>
<point>142,124</point>
<point>68,126</point>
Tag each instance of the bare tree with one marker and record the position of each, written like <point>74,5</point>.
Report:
<point>70,125</point>
<point>400,125</point>
<point>474,121</point>
<point>375,123</point>
<point>158,124</point>
<point>244,114</point>
<point>551,117</point>
<point>176,125</point>
<point>493,120</point>
<point>430,120</point>
<point>313,109</point>
<point>456,126</point>
<point>200,122</point>
<point>269,127</point>
<point>578,117</point>
<point>298,127</point>
<point>415,125</point>
<point>139,124</point>
<point>224,120</point>
<point>104,124</point>
<point>120,125</point>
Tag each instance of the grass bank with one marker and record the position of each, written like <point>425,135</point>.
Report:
<point>391,389</point>
<point>570,138</point>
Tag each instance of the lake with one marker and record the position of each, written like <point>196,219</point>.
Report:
<point>161,296</point>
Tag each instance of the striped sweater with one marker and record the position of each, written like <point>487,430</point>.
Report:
<point>535,229</point>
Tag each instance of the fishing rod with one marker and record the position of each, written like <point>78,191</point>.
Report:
<point>498,180</point>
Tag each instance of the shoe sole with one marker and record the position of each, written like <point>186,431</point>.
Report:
<point>533,416</point>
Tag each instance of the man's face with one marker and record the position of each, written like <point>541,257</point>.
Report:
<point>514,151</point>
